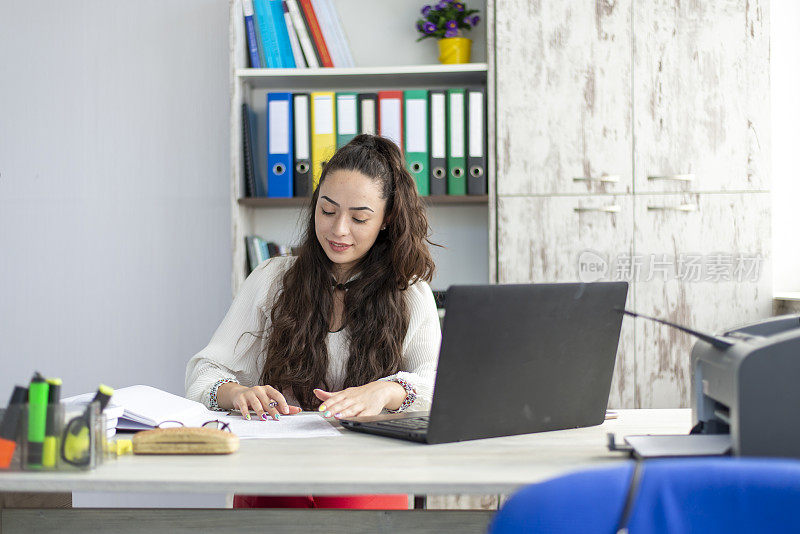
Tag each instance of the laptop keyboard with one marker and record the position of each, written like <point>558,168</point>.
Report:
<point>412,423</point>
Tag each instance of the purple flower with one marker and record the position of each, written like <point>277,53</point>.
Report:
<point>419,25</point>
<point>451,25</point>
<point>442,5</point>
<point>451,33</point>
<point>474,20</point>
<point>428,28</point>
<point>425,11</point>
<point>459,6</point>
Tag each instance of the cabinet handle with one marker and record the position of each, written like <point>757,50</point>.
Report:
<point>680,207</point>
<point>674,177</point>
<point>603,209</point>
<point>606,178</point>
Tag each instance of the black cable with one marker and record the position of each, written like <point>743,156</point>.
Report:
<point>630,498</point>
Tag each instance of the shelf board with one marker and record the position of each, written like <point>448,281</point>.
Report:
<point>295,202</point>
<point>365,77</point>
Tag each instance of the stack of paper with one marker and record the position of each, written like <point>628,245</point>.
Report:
<point>147,407</point>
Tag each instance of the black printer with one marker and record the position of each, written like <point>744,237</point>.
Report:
<point>746,383</point>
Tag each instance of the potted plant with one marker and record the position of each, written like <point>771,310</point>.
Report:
<point>446,21</point>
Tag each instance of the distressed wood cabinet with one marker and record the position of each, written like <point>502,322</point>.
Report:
<point>700,86</point>
<point>549,238</point>
<point>710,270</point>
<point>667,99</point>
<point>563,97</point>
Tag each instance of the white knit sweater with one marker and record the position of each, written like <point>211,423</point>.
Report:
<point>249,312</point>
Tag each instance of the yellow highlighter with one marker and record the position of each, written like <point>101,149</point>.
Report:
<point>50,447</point>
<point>76,449</point>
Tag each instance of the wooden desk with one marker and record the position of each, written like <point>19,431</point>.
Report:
<point>350,464</point>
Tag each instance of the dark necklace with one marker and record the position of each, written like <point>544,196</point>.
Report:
<point>343,287</point>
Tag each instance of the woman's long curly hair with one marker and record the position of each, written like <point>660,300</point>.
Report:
<point>375,312</point>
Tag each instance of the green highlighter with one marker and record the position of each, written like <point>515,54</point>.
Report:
<point>37,419</point>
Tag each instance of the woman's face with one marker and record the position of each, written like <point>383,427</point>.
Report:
<point>349,215</point>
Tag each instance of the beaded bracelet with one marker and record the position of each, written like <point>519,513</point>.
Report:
<point>212,400</point>
<point>411,395</point>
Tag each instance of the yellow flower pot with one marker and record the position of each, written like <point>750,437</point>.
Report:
<point>455,50</point>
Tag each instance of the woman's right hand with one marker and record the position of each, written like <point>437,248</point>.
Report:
<point>264,400</point>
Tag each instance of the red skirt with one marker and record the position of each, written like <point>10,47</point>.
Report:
<point>357,502</point>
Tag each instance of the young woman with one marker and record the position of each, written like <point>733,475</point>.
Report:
<point>347,327</point>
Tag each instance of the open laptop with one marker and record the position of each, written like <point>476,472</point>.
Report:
<point>517,359</point>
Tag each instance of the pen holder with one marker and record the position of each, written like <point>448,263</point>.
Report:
<point>64,438</point>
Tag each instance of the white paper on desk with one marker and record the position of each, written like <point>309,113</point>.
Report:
<point>308,425</point>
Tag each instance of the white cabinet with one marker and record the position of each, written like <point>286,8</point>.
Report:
<point>677,107</point>
<point>564,97</point>
<point>549,239</point>
<point>701,91</point>
<point>704,262</point>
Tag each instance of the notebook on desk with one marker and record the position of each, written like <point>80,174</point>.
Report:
<point>517,359</point>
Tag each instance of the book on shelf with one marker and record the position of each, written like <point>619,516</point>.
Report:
<point>456,134</point>
<point>253,182</point>
<point>333,33</point>
<point>415,104</point>
<point>346,118</point>
<point>295,34</point>
<point>323,132</point>
<point>312,23</point>
<point>297,52</point>
<point>437,110</point>
<point>247,153</point>
<point>280,153</point>
<point>282,34</point>
<point>390,116</point>
<point>442,134</point>
<point>251,33</point>
<point>259,250</point>
<point>274,35</point>
<point>309,54</point>
<point>368,113</point>
<point>301,107</point>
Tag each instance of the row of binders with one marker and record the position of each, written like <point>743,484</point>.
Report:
<point>442,134</point>
<point>295,34</point>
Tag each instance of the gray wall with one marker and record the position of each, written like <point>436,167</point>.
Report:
<point>114,208</point>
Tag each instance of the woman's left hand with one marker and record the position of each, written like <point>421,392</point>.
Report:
<point>368,399</point>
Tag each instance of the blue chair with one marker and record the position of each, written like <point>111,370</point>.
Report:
<point>708,495</point>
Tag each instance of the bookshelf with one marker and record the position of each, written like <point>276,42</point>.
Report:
<point>366,77</point>
<point>382,40</point>
<point>435,200</point>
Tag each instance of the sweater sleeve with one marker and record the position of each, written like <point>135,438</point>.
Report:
<point>421,345</point>
<point>232,351</point>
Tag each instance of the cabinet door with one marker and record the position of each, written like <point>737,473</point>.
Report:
<point>564,97</point>
<point>703,261</point>
<point>701,92</point>
<point>570,239</point>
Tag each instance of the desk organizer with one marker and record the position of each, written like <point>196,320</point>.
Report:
<point>64,438</point>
